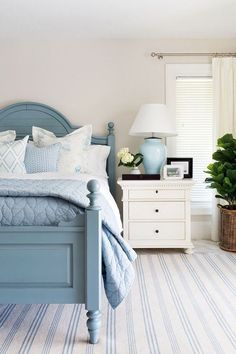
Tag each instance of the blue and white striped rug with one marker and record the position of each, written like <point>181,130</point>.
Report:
<point>178,304</point>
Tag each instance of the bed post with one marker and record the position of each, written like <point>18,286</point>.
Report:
<point>93,253</point>
<point>111,162</point>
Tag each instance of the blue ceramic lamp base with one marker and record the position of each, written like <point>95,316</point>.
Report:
<point>154,155</point>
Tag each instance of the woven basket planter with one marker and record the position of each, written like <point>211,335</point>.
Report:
<point>228,230</point>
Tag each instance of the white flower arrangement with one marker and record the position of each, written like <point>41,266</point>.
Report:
<point>126,158</point>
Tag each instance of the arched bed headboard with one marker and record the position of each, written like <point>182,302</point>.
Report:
<point>22,116</point>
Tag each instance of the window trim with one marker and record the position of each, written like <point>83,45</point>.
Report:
<point>172,72</point>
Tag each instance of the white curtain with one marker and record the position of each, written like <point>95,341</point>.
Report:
<point>224,87</point>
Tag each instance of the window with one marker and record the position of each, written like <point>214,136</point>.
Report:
<point>190,98</point>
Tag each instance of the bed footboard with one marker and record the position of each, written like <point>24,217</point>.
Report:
<point>55,264</point>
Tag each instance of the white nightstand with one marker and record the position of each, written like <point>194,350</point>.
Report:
<point>156,214</point>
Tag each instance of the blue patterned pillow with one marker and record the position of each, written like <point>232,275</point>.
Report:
<point>41,159</point>
<point>12,156</point>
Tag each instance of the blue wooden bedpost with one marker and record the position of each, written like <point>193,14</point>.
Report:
<point>93,262</point>
<point>111,163</point>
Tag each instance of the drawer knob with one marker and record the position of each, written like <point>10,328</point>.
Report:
<point>157,210</point>
<point>156,231</point>
<point>156,191</point>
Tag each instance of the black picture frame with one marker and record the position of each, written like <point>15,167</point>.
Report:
<point>188,160</point>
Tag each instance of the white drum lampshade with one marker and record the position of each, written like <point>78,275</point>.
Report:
<point>154,122</point>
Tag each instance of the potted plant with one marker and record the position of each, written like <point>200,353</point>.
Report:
<point>223,178</point>
<point>126,158</point>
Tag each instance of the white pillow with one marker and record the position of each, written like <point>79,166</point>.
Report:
<point>7,136</point>
<point>12,155</point>
<point>72,145</point>
<point>93,160</point>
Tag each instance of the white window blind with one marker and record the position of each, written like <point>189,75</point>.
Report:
<point>194,120</point>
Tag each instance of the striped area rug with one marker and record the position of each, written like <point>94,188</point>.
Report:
<point>178,304</point>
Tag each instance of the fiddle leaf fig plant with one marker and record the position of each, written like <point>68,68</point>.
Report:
<point>223,171</point>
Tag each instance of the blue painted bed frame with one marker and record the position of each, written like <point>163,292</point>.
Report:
<point>55,264</point>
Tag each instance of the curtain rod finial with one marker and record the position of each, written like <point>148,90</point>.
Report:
<point>158,55</point>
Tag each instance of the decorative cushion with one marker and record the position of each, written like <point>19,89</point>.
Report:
<point>41,159</point>
<point>12,156</point>
<point>7,136</point>
<point>93,160</point>
<point>72,145</point>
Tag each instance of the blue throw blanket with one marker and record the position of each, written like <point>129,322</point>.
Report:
<point>117,255</point>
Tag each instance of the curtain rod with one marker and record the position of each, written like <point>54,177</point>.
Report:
<point>162,55</point>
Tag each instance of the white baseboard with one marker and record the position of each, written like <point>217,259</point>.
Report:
<point>201,227</point>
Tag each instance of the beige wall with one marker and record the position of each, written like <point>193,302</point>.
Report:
<point>94,80</point>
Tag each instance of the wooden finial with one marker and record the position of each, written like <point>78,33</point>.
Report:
<point>110,127</point>
<point>93,187</point>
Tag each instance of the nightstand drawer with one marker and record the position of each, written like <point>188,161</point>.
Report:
<point>156,210</point>
<point>156,194</point>
<point>157,231</point>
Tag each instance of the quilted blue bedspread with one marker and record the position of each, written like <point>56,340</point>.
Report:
<point>47,202</point>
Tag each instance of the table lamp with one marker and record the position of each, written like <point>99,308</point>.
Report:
<point>153,119</point>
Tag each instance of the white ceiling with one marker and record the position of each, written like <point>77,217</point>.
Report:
<point>119,18</point>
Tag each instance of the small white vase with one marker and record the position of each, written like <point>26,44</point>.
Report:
<point>135,171</point>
